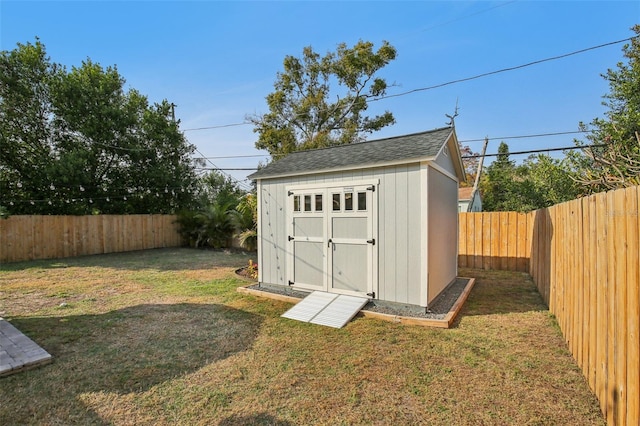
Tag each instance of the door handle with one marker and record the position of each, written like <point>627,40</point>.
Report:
<point>329,242</point>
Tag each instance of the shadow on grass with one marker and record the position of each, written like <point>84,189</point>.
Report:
<point>167,259</point>
<point>123,351</point>
<point>501,292</point>
<point>255,419</point>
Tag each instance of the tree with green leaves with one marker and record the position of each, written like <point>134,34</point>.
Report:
<point>217,188</point>
<point>497,184</point>
<point>611,157</point>
<point>75,142</point>
<point>307,110</point>
<point>540,181</point>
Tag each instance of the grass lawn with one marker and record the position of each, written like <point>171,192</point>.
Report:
<point>163,337</point>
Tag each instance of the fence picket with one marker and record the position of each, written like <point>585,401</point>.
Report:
<point>48,237</point>
<point>584,257</point>
<point>633,307</point>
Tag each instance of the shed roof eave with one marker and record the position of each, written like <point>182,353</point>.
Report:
<point>344,169</point>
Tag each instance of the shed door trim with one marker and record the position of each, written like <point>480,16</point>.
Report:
<point>327,246</point>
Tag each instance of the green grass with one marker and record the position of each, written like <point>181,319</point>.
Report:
<point>163,337</point>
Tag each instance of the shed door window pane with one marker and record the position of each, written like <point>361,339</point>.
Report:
<point>362,201</point>
<point>318,202</point>
<point>336,202</point>
<point>296,203</point>
<point>307,203</point>
<point>348,201</point>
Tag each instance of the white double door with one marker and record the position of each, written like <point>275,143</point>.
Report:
<point>332,238</point>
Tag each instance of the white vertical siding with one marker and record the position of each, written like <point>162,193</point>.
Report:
<point>443,231</point>
<point>414,223</point>
<point>444,161</point>
<point>273,232</point>
<point>400,226</point>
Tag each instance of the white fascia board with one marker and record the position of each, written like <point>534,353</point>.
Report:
<point>350,168</point>
<point>424,234</point>
<point>259,228</point>
<point>444,171</point>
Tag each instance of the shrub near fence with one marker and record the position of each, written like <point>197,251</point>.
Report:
<point>49,237</point>
<point>583,256</point>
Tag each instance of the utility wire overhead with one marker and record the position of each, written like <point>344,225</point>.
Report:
<point>536,135</point>
<point>527,136</point>
<point>486,74</point>
<point>534,151</point>
<point>422,89</point>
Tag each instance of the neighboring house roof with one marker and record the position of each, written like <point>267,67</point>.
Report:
<point>465,193</point>
<point>399,149</point>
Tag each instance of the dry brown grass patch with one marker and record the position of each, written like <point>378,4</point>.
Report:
<point>164,338</point>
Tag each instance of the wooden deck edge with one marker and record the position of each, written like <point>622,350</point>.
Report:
<point>457,306</point>
<point>446,322</point>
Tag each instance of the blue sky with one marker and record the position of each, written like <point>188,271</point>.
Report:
<point>218,60</point>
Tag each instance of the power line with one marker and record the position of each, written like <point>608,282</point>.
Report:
<point>244,123</point>
<point>239,183</point>
<point>229,168</point>
<point>553,58</point>
<point>527,136</point>
<point>537,135</point>
<point>235,156</point>
<point>461,80</point>
<point>534,151</point>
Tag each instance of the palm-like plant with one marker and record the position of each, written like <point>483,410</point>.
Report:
<point>245,219</point>
<point>217,225</point>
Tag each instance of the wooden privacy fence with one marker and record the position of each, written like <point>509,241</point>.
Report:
<point>496,240</point>
<point>48,237</point>
<point>583,256</point>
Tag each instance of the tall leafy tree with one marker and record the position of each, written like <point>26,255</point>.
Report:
<point>611,158</point>
<point>321,101</point>
<point>75,142</point>
<point>497,185</point>
<point>540,181</point>
<point>26,144</point>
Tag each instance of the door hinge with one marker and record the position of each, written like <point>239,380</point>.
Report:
<point>372,241</point>
<point>372,294</point>
<point>371,188</point>
<point>290,238</point>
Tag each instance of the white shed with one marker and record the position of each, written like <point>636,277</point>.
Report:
<point>376,219</point>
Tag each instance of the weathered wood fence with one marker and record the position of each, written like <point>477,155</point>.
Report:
<point>583,256</point>
<point>49,237</point>
<point>496,240</point>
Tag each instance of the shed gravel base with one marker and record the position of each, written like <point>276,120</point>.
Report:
<point>441,313</point>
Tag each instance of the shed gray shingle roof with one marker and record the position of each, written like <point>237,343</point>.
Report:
<point>413,147</point>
